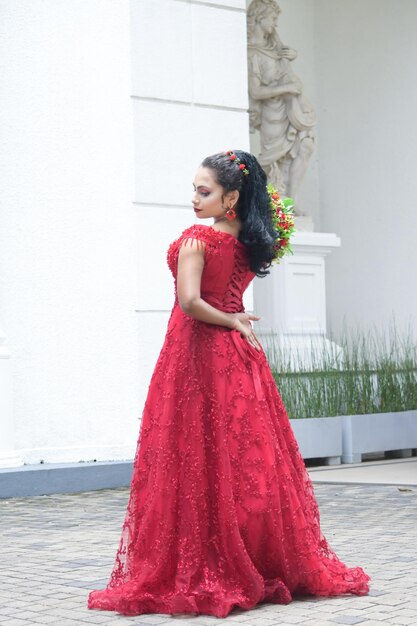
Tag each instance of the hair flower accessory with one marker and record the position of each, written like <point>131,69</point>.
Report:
<point>232,156</point>
<point>283,221</point>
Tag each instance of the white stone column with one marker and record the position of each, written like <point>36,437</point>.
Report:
<point>190,100</point>
<point>292,300</point>
<point>8,455</point>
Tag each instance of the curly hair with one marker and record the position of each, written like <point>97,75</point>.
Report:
<point>253,206</point>
<point>259,9</point>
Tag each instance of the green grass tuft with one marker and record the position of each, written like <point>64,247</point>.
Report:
<point>373,372</point>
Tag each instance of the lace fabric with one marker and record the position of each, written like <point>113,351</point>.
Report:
<point>221,511</point>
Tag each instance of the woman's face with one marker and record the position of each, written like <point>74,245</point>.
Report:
<point>207,198</point>
<point>269,22</point>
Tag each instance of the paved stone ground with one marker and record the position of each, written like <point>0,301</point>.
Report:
<point>54,549</point>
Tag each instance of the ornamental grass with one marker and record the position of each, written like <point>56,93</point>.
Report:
<point>361,371</point>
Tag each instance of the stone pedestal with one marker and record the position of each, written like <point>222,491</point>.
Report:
<point>292,302</point>
<point>8,455</point>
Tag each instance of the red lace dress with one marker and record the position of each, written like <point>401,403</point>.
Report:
<point>221,511</point>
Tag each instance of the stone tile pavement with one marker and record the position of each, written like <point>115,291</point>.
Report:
<point>54,549</point>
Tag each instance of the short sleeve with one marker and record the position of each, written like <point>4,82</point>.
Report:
<point>206,236</point>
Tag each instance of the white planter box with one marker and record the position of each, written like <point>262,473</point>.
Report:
<point>378,432</point>
<point>319,437</point>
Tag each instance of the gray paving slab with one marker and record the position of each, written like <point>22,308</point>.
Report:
<point>55,548</point>
<point>402,472</point>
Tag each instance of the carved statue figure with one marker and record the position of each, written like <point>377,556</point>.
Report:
<point>278,107</point>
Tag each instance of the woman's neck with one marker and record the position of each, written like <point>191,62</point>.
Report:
<point>228,226</point>
<point>259,39</point>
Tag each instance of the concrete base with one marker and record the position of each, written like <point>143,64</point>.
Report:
<point>399,454</point>
<point>319,437</point>
<point>49,478</point>
<point>378,432</point>
<point>332,460</point>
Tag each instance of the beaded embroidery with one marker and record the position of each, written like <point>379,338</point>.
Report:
<point>221,510</point>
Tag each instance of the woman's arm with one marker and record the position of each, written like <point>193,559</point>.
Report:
<point>265,92</point>
<point>190,269</point>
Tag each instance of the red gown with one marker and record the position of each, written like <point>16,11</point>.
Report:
<point>222,511</point>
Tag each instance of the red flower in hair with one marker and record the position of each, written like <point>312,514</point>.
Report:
<point>283,222</point>
<point>236,160</point>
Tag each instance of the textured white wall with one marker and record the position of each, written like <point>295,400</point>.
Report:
<point>366,53</point>
<point>67,227</point>
<point>190,100</point>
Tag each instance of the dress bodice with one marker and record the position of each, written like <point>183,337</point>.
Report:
<point>226,272</point>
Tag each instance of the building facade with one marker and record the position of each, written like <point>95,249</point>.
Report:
<point>108,107</point>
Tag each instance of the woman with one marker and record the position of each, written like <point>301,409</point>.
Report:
<point>221,510</point>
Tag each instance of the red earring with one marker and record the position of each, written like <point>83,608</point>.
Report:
<point>231,214</point>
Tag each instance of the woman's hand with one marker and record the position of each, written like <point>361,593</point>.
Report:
<point>189,272</point>
<point>287,53</point>
<point>294,88</point>
<point>241,322</point>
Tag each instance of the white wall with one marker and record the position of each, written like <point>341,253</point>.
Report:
<point>67,227</point>
<point>190,100</point>
<point>109,107</point>
<point>366,52</point>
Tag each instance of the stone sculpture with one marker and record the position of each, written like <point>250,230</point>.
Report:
<point>278,107</point>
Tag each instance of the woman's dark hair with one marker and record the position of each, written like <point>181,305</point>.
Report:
<point>253,206</point>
